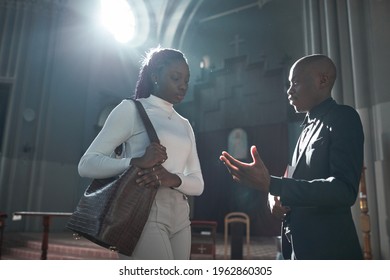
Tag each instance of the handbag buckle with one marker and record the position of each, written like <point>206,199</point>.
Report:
<point>113,249</point>
<point>76,236</point>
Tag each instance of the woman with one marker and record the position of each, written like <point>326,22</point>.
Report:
<point>172,165</point>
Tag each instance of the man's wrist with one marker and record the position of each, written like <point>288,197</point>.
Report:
<point>275,186</point>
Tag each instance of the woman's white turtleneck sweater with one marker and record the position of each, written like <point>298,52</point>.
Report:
<point>125,125</point>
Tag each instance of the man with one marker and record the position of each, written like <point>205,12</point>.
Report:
<point>322,181</point>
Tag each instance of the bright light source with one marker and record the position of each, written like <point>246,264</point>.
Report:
<point>118,18</point>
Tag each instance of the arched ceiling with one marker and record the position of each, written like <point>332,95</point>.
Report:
<point>172,21</point>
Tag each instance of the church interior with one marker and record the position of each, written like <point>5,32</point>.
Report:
<point>63,69</point>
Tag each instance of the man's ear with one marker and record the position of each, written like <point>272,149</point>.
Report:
<point>324,80</point>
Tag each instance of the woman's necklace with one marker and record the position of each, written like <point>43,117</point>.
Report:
<point>169,111</point>
<point>170,114</point>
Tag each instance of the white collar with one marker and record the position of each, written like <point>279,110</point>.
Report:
<point>155,101</point>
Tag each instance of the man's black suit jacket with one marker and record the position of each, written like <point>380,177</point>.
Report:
<point>323,185</point>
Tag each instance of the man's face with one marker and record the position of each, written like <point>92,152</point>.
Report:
<point>302,92</point>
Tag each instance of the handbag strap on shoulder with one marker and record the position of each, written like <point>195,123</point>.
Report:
<point>148,124</point>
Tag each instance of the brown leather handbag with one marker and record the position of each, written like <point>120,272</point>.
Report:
<point>112,212</point>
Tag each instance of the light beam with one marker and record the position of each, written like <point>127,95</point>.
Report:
<point>118,17</point>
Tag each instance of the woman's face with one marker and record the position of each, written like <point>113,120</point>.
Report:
<point>172,83</point>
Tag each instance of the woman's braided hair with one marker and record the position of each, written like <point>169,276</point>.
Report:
<point>154,61</point>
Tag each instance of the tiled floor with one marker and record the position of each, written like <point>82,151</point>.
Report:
<point>64,246</point>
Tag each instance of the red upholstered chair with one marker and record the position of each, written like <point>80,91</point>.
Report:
<point>3,216</point>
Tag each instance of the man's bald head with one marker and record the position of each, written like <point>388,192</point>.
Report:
<point>311,81</point>
<point>319,65</point>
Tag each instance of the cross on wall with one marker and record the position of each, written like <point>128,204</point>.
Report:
<point>236,44</point>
